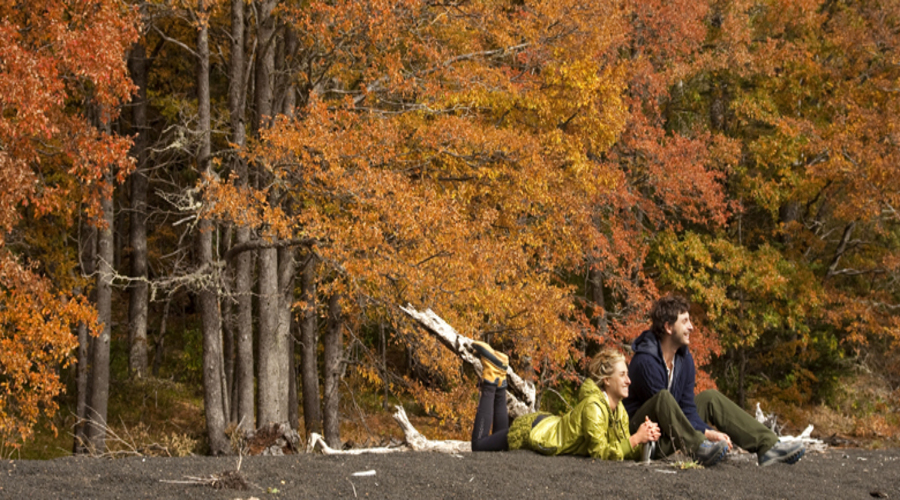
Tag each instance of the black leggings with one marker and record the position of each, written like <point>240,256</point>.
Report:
<point>491,414</point>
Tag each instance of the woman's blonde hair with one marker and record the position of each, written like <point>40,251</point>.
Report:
<point>604,365</point>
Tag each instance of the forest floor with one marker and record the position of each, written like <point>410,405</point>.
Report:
<point>847,473</point>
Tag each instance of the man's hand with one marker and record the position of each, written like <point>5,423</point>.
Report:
<point>718,436</point>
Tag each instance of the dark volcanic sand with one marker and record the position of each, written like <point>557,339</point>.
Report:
<point>838,473</point>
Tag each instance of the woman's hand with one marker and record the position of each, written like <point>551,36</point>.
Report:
<point>648,431</point>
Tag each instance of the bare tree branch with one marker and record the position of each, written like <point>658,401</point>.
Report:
<point>521,395</point>
<point>260,244</point>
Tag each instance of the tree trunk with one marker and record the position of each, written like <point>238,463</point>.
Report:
<point>287,93</point>
<point>333,366</point>
<point>272,407</point>
<point>243,275</point>
<point>385,403</point>
<point>293,396</point>
<point>287,266</point>
<point>161,339</point>
<point>309,339</point>
<point>213,384</point>
<point>265,62</point>
<point>596,295</point>
<point>83,372</point>
<point>100,367</point>
<point>271,351</point>
<point>227,315</point>
<point>228,354</point>
<point>139,296</point>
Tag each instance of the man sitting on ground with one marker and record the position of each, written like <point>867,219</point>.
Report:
<point>663,375</point>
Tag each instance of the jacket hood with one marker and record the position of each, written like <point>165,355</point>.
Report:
<point>589,388</point>
<point>647,343</point>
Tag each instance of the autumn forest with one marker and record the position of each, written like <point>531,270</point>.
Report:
<point>238,196</point>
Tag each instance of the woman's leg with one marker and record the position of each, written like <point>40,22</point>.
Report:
<point>492,412</point>
<point>488,415</point>
<point>501,413</point>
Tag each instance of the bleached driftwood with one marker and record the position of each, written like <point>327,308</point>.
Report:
<point>317,442</point>
<point>520,398</point>
<point>805,437</point>
<point>418,442</point>
<point>414,441</point>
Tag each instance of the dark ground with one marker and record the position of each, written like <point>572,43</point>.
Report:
<point>838,473</point>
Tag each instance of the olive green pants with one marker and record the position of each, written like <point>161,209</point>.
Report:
<point>714,409</point>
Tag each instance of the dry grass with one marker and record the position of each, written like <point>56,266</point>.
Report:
<point>864,412</point>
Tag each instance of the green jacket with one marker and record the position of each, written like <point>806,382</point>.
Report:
<point>589,429</point>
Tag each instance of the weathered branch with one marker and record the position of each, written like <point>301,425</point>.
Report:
<point>842,247</point>
<point>521,394</point>
<point>418,442</point>
<point>260,244</point>
<point>176,42</point>
<point>805,437</point>
<point>414,441</point>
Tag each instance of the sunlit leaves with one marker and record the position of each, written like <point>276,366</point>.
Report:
<point>62,75</point>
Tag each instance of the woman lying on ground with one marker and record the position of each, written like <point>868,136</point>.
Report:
<point>597,426</point>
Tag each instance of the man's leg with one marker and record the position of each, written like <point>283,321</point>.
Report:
<point>745,431</point>
<point>677,431</point>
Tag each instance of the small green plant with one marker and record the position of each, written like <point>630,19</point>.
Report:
<point>687,465</point>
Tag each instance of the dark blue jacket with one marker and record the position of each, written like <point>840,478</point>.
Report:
<point>647,372</point>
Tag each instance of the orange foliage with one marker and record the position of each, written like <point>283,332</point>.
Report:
<point>55,58</point>
<point>461,158</point>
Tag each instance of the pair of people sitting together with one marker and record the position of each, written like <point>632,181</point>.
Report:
<point>621,407</point>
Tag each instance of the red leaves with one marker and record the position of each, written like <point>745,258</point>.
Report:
<point>59,62</point>
<point>34,341</point>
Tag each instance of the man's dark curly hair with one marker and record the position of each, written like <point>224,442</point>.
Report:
<point>666,310</point>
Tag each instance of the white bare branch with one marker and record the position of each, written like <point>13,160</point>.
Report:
<point>771,421</point>
<point>414,441</point>
<point>521,395</point>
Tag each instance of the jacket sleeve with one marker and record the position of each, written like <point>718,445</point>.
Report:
<point>686,398</point>
<point>596,427</point>
<point>630,452</point>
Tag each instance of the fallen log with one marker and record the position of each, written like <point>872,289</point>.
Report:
<point>520,398</point>
<point>413,441</point>
<point>805,437</point>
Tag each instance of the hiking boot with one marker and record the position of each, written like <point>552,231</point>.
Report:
<point>494,364</point>
<point>783,452</point>
<point>710,453</point>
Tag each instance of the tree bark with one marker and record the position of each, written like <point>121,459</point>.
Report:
<point>287,93</point>
<point>271,351</point>
<point>139,296</point>
<point>293,396</point>
<point>214,399</point>
<point>272,378</point>
<point>100,367</point>
<point>287,267</point>
<point>309,339</point>
<point>243,276</point>
<point>161,339</point>
<point>333,344</point>
<point>596,295</point>
<point>265,62</point>
<point>82,378</point>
